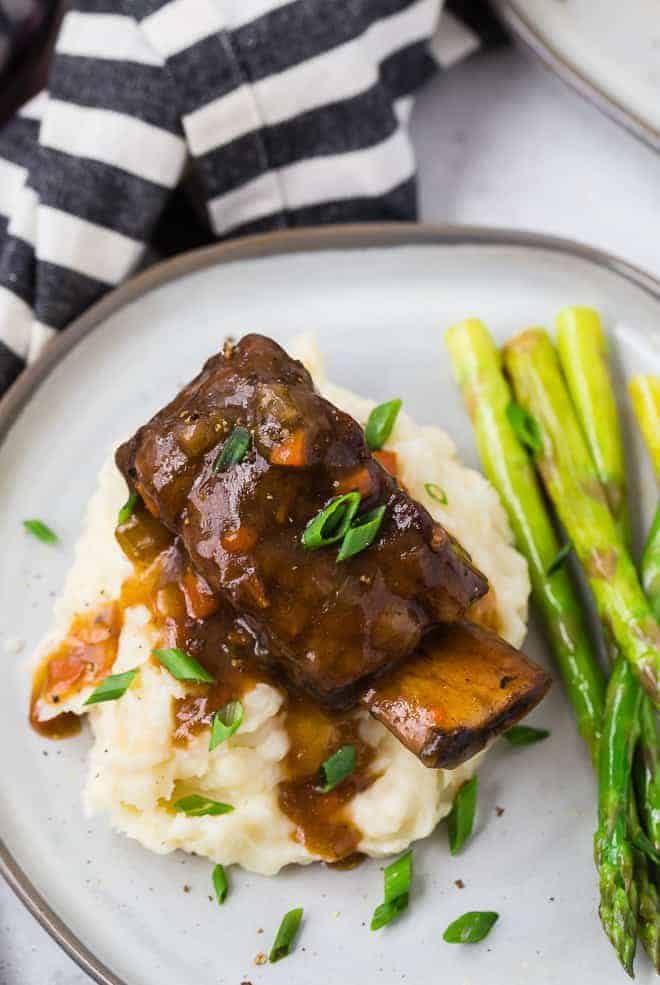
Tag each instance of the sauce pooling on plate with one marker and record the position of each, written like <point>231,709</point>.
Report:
<point>187,615</point>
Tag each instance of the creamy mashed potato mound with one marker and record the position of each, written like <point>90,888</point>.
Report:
<point>135,767</point>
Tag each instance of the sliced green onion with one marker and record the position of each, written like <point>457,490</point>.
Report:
<point>556,564</point>
<point>220,883</point>
<point>360,536</point>
<point>112,687</point>
<point>471,927</point>
<point>436,492</point>
<point>332,522</point>
<point>526,427</point>
<point>182,666</point>
<point>197,806</point>
<point>233,450</point>
<point>461,819</point>
<point>42,532</point>
<point>380,423</point>
<point>644,844</point>
<point>398,877</point>
<point>335,769</point>
<point>226,721</point>
<point>286,934</point>
<point>525,735</point>
<point>386,912</point>
<point>128,509</point>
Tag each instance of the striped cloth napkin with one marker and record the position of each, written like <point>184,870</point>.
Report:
<point>267,113</point>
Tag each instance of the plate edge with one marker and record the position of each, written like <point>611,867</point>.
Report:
<point>532,41</point>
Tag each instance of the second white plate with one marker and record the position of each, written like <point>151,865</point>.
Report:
<point>608,51</point>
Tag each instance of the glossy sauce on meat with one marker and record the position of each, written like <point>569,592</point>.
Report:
<point>328,625</point>
<point>188,616</point>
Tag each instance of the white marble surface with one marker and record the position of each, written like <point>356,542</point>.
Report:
<point>501,143</point>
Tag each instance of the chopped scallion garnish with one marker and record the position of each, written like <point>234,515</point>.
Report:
<point>397,879</point>
<point>197,806</point>
<point>526,427</point>
<point>436,492</point>
<point>112,687</point>
<point>129,508</point>
<point>220,883</point>
<point>460,821</point>
<point>525,735</point>
<point>331,524</point>
<point>182,666</point>
<point>380,423</point>
<point>471,927</point>
<point>360,536</point>
<point>386,912</point>
<point>286,934</point>
<point>226,721</point>
<point>42,532</point>
<point>561,556</point>
<point>233,450</point>
<point>336,768</point>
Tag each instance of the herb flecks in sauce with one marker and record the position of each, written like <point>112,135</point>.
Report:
<point>189,617</point>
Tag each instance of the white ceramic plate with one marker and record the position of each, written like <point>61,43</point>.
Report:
<point>609,51</point>
<point>379,298</point>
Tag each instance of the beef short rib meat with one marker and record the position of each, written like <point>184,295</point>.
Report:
<point>464,687</point>
<point>328,625</point>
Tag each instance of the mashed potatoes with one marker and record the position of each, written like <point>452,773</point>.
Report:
<point>135,766</point>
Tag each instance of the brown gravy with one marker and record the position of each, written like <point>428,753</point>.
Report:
<point>187,615</point>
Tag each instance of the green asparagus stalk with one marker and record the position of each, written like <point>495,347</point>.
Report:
<point>477,368</point>
<point>572,483</point>
<point>647,775</point>
<point>648,906</point>
<point>645,395</point>
<point>612,847</point>
<point>651,566</point>
<point>583,355</point>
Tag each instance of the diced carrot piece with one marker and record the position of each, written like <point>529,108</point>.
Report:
<point>389,461</point>
<point>292,451</point>
<point>358,481</point>
<point>240,540</point>
<point>200,600</point>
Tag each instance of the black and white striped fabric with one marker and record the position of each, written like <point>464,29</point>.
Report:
<point>271,113</point>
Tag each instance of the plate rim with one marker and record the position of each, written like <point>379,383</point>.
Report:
<point>313,239</point>
<point>533,42</point>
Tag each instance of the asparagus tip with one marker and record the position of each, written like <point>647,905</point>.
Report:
<point>618,902</point>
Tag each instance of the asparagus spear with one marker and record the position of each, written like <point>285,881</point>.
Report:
<point>645,394</point>
<point>647,775</point>
<point>651,565</point>
<point>572,482</point>
<point>648,898</point>
<point>584,359</point>
<point>612,848</point>
<point>583,353</point>
<point>477,368</point>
